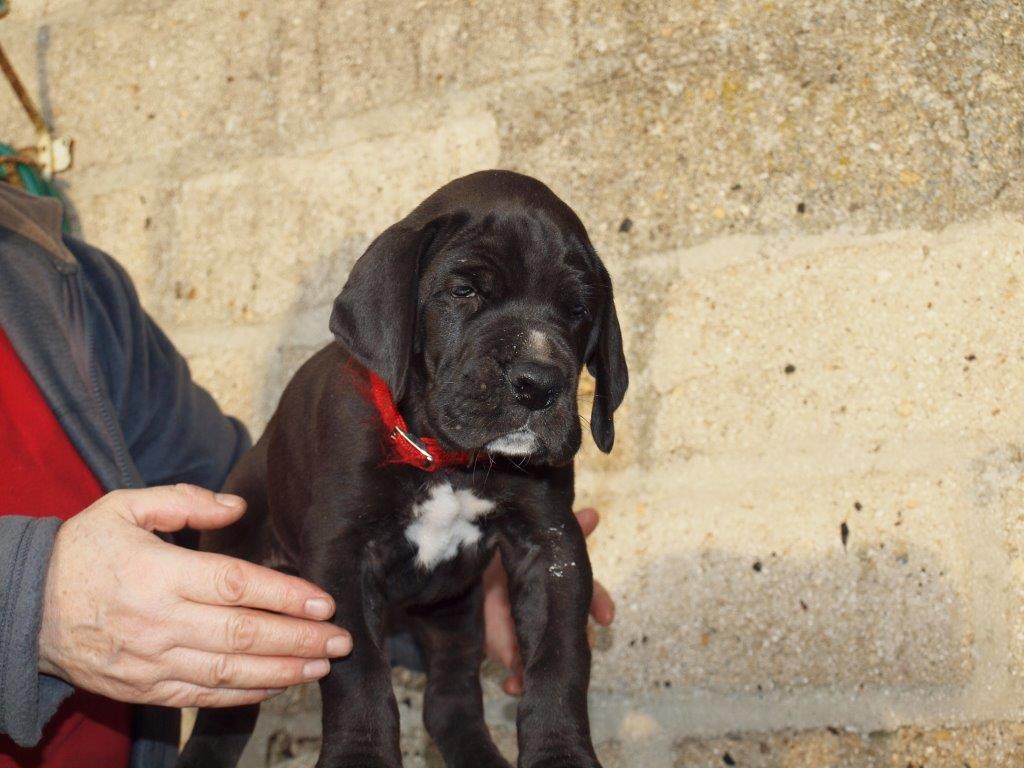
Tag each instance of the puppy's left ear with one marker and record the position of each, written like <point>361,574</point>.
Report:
<point>374,316</point>
<point>607,364</point>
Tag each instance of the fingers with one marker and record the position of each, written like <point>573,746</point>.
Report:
<point>602,607</point>
<point>502,645</point>
<point>173,507</point>
<point>588,519</point>
<point>235,671</point>
<point>513,684</point>
<point>499,627</point>
<point>240,630</point>
<point>501,637</point>
<point>221,580</point>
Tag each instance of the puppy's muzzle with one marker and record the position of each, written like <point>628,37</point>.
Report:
<point>535,385</point>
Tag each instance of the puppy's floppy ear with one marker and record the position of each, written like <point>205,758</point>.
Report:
<point>607,364</point>
<point>374,316</point>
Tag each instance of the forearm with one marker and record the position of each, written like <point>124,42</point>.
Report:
<point>28,699</point>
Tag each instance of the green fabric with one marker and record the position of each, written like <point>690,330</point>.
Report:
<point>30,178</point>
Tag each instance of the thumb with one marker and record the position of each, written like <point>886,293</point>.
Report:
<point>173,507</point>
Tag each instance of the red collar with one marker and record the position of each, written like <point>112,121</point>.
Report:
<point>424,453</point>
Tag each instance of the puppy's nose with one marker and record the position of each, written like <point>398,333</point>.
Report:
<point>535,385</point>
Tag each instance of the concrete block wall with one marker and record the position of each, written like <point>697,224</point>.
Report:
<point>814,516</point>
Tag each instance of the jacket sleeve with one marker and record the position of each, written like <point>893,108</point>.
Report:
<point>174,430</point>
<point>28,699</point>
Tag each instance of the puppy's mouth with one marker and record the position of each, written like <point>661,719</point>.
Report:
<point>518,443</point>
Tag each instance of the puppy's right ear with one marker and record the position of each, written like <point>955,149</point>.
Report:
<point>374,316</point>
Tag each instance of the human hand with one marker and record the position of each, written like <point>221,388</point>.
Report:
<point>500,629</point>
<point>137,619</point>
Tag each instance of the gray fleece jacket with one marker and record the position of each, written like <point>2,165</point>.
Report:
<point>126,400</point>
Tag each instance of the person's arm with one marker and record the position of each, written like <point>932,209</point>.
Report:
<point>137,619</point>
<point>73,592</point>
<point>27,699</point>
<point>174,430</point>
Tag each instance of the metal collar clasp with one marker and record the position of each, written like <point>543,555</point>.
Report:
<point>398,432</point>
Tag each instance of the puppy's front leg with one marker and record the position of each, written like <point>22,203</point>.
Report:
<point>360,714</point>
<point>452,637</point>
<point>550,585</point>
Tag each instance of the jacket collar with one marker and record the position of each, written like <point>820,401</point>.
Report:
<point>35,218</point>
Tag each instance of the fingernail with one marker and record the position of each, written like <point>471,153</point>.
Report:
<point>339,645</point>
<point>314,670</point>
<point>272,692</point>
<point>229,500</point>
<point>318,608</point>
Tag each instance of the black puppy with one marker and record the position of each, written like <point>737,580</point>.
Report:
<point>475,314</point>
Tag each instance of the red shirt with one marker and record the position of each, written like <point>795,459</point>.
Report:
<point>43,476</point>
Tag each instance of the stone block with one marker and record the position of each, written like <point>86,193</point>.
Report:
<point>694,120</point>
<point>346,58</point>
<point>184,77</point>
<point>990,745</point>
<point>134,226</point>
<point>236,378</point>
<point>838,345</point>
<point>999,490</point>
<point>731,583</point>
<point>273,237</point>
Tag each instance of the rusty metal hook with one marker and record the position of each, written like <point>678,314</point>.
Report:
<point>53,155</point>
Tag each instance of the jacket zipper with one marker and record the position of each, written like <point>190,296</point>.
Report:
<point>83,355</point>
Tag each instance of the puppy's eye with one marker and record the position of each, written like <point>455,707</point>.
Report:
<point>579,311</point>
<point>463,291</point>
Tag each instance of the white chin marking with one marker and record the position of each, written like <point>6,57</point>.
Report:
<point>522,442</point>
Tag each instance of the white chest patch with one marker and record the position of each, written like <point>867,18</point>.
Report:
<point>443,522</point>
